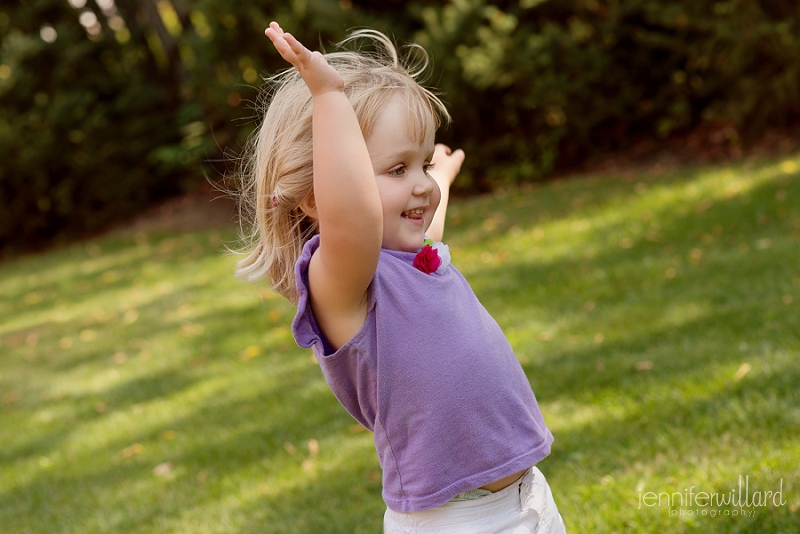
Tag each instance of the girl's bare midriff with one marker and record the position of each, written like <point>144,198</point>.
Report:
<point>504,482</point>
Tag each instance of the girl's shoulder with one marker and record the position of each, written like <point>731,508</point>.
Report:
<point>309,248</point>
<point>308,328</point>
<point>409,277</point>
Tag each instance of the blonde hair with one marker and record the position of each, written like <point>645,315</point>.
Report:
<point>278,173</point>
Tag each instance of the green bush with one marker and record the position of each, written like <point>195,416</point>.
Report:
<point>92,127</point>
<point>538,83</point>
<point>79,120</point>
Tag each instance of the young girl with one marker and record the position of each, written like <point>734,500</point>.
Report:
<point>346,226</point>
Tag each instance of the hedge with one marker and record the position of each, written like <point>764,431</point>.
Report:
<point>98,120</point>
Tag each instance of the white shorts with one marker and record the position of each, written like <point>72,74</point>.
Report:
<point>524,507</point>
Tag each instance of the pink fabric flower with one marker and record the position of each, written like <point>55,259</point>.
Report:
<point>433,258</point>
<point>427,260</point>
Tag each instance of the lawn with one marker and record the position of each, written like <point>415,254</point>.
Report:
<point>656,312</point>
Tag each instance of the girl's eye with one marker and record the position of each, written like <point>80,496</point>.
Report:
<point>397,171</point>
<point>427,167</point>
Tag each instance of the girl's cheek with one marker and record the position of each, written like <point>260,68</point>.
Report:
<point>436,195</point>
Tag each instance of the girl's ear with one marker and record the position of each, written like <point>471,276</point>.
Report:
<point>309,207</point>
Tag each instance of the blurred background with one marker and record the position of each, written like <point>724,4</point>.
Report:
<point>108,105</point>
<point>637,243</point>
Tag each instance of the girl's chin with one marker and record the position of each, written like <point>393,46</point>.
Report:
<point>406,239</point>
<point>404,245</point>
<point>399,248</point>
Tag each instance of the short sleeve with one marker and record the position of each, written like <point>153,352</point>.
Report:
<point>350,370</point>
<point>304,327</point>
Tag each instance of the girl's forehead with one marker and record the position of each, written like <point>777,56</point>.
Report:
<point>404,115</point>
<point>415,114</point>
<point>397,136</point>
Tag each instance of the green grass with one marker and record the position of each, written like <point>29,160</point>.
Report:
<point>656,312</point>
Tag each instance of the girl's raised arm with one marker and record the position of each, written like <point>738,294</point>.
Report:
<point>345,201</point>
<point>447,163</point>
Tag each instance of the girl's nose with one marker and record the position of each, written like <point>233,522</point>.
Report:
<point>423,185</point>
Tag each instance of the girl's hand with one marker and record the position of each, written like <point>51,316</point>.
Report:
<point>446,166</point>
<point>447,163</point>
<point>319,76</point>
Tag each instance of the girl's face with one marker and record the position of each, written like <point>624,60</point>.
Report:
<point>409,195</point>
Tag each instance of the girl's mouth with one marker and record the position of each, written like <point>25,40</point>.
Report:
<point>415,214</point>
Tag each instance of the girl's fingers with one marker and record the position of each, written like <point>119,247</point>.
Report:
<point>297,47</point>
<point>283,49</point>
<point>318,75</point>
<point>287,45</point>
<point>273,31</point>
<point>277,40</point>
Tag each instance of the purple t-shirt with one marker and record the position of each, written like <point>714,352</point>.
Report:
<point>432,375</point>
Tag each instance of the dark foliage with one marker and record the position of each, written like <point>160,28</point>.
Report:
<point>536,84</point>
<point>99,116</point>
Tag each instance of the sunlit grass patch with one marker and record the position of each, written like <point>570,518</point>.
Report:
<point>657,318</point>
<point>144,389</point>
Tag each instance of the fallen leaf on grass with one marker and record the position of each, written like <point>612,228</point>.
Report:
<point>192,329</point>
<point>86,335</point>
<point>133,450</point>
<point>763,243</point>
<point>130,316</point>
<point>704,205</point>
<point>251,352</point>
<point>653,236</point>
<point>11,397</point>
<point>742,371</point>
<point>162,469</point>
